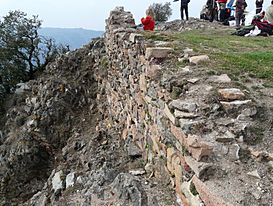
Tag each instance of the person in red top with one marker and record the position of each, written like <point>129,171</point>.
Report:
<point>148,22</point>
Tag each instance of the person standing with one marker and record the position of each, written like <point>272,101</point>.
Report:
<point>212,10</point>
<point>239,13</point>
<point>222,7</point>
<point>184,7</point>
<point>259,6</point>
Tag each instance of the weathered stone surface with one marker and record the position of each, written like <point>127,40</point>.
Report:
<point>137,172</point>
<point>193,81</point>
<point>170,154</point>
<point>194,200</point>
<point>226,137</point>
<point>169,114</point>
<point>57,181</point>
<point>198,59</point>
<point>143,83</point>
<point>21,87</point>
<point>158,52</point>
<point>223,78</point>
<point>70,180</point>
<point>180,114</point>
<point>129,190</point>
<point>254,174</point>
<point>231,94</point>
<point>206,194</point>
<point>200,168</point>
<point>185,106</point>
<point>179,134</point>
<point>154,72</point>
<point>134,37</point>
<point>198,148</point>
<point>234,104</point>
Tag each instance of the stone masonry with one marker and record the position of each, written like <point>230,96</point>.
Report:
<point>198,134</point>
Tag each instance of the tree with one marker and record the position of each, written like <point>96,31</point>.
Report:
<point>22,49</point>
<point>162,11</point>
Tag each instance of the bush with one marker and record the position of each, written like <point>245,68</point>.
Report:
<point>162,11</point>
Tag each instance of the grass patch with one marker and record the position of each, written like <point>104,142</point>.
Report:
<point>234,55</point>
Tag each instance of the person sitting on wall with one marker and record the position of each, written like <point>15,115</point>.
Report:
<point>148,22</point>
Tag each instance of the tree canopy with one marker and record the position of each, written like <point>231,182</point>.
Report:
<point>161,11</point>
<point>22,50</point>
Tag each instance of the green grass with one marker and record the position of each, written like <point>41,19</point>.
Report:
<point>238,56</point>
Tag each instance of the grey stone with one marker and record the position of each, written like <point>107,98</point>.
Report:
<point>223,78</point>
<point>227,137</point>
<point>254,174</point>
<point>180,114</point>
<point>193,80</point>
<point>158,52</point>
<point>133,150</point>
<point>137,172</point>
<point>134,37</point>
<point>234,104</point>
<point>169,114</point>
<point>183,105</point>
<point>198,59</point>
<point>57,181</point>
<point>129,190</point>
<point>21,87</point>
<point>200,169</point>
<point>231,94</point>
<point>70,180</point>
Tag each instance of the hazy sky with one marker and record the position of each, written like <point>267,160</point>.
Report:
<point>91,14</point>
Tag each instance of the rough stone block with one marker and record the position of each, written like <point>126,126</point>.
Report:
<point>153,72</point>
<point>134,37</point>
<point>198,59</point>
<point>231,94</point>
<point>169,114</point>
<point>223,78</point>
<point>185,106</point>
<point>179,134</point>
<point>157,52</point>
<point>180,114</point>
<point>199,168</point>
<point>198,148</point>
<point>207,196</point>
<point>234,104</point>
<point>143,83</point>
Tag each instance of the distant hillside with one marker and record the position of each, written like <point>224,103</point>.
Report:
<point>74,37</point>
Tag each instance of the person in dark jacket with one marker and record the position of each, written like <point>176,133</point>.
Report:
<point>239,13</point>
<point>184,7</point>
<point>259,6</point>
<point>212,10</point>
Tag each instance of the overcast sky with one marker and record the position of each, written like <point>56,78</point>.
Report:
<point>91,14</point>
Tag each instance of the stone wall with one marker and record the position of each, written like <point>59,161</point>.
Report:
<point>138,104</point>
<point>183,140</point>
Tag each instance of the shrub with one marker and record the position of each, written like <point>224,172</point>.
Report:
<point>162,11</point>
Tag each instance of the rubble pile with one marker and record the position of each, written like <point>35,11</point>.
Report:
<point>45,113</point>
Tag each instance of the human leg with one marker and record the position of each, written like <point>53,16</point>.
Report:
<point>187,12</point>
<point>181,13</point>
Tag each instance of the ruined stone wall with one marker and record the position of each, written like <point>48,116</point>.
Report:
<point>192,140</point>
<point>138,105</point>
